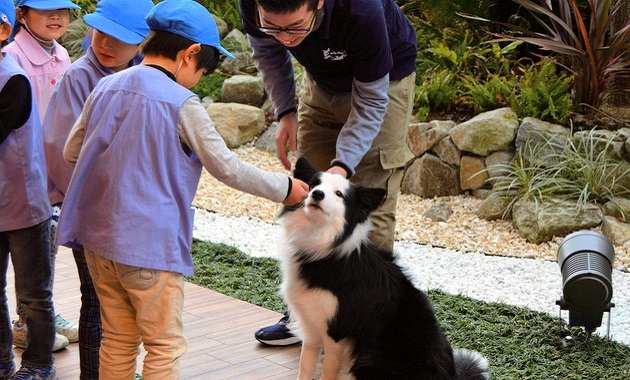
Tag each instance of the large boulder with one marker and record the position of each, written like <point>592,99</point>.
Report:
<point>429,177</point>
<point>424,136</point>
<point>487,132</point>
<point>244,89</point>
<point>236,123</point>
<point>541,221</point>
<point>539,141</point>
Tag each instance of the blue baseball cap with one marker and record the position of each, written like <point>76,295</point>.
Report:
<point>122,19</point>
<point>7,12</point>
<point>189,19</point>
<point>47,5</point>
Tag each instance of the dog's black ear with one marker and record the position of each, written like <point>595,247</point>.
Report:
<point>304,170</point>
<point>370,198</point>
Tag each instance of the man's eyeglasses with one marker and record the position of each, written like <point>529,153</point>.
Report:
<point>274,31</point>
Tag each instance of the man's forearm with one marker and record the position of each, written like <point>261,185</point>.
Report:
<point>274,65</point>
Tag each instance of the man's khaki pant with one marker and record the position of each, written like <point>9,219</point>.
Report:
<point>321,115</point>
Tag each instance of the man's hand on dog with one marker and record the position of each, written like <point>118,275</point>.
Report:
<point>338,170</point>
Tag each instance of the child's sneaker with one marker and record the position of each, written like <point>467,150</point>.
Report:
<point>61,342</point>
<point>26,373</point>
<point>6,370</point>
<point>20,337</point>
<point>67,328</point>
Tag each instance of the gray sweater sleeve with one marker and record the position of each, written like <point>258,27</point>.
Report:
<point>369,102</point>
<point>198,132</point>
<point>273,62</point>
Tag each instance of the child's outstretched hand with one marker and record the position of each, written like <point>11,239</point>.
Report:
<point>299,192</point>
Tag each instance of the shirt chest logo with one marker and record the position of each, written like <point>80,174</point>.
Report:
<point>332,55</point>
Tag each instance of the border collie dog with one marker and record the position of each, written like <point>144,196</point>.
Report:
<point>349,299</point>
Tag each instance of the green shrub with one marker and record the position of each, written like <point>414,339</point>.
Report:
<point>227,10</point>
<point>210,86</point>
<point>576,169</point>
<point>543,93</point>
<point>439,89</point>
<point>582,41</point>
<point>488,95</point>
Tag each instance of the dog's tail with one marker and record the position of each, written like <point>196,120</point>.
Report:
<point>470,365</point>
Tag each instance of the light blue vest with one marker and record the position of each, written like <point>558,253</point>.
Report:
<point>23,198</point>
<point>129,199</point>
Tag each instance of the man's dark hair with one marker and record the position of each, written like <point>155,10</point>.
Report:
<point>169,44</point>
<point>286,6</point>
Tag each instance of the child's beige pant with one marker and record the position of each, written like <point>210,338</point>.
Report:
<point>138,305</point>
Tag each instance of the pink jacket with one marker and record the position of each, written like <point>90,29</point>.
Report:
<point>43,69</point>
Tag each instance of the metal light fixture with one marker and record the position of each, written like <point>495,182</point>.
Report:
<point>585,259</point>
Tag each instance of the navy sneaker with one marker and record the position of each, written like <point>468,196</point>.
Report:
<point>278,334</point>
<point>26,373</point>
<point>6,370</point>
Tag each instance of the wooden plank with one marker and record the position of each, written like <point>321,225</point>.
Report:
<point>220,332</point>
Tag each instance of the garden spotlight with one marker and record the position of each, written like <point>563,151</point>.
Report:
<point>585,260</point>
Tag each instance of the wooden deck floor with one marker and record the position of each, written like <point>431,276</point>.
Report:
<point>220,332</point>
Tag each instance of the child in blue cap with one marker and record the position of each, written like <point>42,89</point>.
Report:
<point>139,147</point>
<point>24,217</point>
<point>35,46</point>
<point>119,27</point>
<point>39,24</point>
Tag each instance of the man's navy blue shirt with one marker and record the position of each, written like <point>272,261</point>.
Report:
<point>362,39</point>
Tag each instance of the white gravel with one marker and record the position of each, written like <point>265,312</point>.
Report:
<point>531,283</point>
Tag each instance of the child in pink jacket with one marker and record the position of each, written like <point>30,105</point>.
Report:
<point>40,24</point>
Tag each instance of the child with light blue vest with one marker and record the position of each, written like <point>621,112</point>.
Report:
<point>119,27</point>
<point>39,23</point>
<point>139,147</point>
<point>24,217</point>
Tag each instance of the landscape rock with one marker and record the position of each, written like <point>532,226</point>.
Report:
<point>429,177</point>
<point>616,231</point>
<point>222,26</point>
<point>266,141</point>
<point>242,63</point>
<point>447,151</point>
<point>609,143</point>
<point>541,138</point>
<point>243,89</point>
<point>487,132</point>
<point>497,164</point>
<point>493,207</point>
<point>236,123</point>
<point>472,175</point>
<point>618,207</point>
<point>424,136</point>
<point>541,221</point>
<point>439,212</point>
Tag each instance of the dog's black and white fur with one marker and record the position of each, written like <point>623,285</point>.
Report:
<point>351,300</point>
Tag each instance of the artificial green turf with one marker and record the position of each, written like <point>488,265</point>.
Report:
<point>518,342</point>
